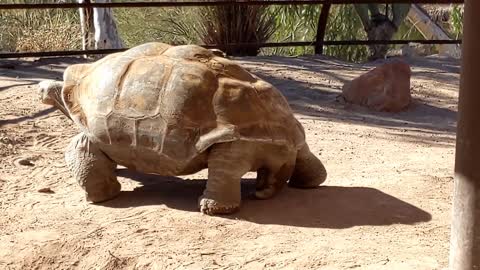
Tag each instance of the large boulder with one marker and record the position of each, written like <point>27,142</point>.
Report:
<point>385,88</point>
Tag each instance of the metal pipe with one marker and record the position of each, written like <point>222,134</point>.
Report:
<point>217,3</point>
<point>212,46</point>
<point>465,231</point>
<point>321,28</point>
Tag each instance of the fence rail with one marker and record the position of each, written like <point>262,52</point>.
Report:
<point>318,43</point>
<point>219,3</point>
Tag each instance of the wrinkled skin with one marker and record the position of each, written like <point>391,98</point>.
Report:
<point>177,110</point>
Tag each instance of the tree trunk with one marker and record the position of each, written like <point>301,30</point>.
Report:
<point>430,30</point>
<point>379,26</point>
<point>86,24</point>
<point>99,29</point>
<point>106,34</point>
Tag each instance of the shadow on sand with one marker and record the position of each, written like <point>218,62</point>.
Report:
<point>44,68</point>
<point>28,117</point>
<point>324,207</point>
<point>318,99</point>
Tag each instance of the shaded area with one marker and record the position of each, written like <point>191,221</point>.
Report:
<point>18,83</point>
<point>425,137</point>
<point>29,72</point>
<point>44,68</point>
<point>444,69</point>
<point>324,207</point>
<point>420,116</point>
<point>319,99</point>
<point>28,117</point>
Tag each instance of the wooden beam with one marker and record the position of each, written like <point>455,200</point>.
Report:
<point>465,232</point>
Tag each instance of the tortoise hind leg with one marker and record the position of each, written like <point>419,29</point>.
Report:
<point>309,171</point>
<point>92,169</point>
<point>269,182</point>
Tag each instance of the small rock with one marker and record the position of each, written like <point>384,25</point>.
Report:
<point>25,162</point>
<point>46,190</point>
<point>385,88</point>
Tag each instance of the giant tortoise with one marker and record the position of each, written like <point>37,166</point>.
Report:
<point>175,110</point>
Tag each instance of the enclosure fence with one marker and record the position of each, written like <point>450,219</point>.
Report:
<point>318,43</point>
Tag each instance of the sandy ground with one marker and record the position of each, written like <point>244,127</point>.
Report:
<point>385,205</point>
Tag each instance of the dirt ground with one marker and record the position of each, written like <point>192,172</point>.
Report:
<point>385,205</point>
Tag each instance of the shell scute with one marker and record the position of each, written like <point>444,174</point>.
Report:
<point>121,130</point>
<point>151,133</point>
<point>179,141</point>
<point>187,95</point>
<point>139,92</point>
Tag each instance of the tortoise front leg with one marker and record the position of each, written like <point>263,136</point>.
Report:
<point>227,163</point>
<point>92,169</point>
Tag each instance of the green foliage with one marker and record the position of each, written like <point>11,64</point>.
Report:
<point>39,30</point>
<point>457,21</point>
<point>191,25</point>
<point>220,25</point>
<point>236,24</point>
<point>293,23</point>
<point>299,23</point>
<point>170,25</point>
<point>344,24</point>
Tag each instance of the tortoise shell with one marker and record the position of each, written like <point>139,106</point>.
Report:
<point>176,101</point>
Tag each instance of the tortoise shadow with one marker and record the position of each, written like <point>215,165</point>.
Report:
<point>324,207</point>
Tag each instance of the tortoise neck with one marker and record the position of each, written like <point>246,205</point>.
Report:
<point>56,94</point>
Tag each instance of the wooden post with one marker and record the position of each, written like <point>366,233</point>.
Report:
<point>86,24</point>
<point>322,25</point>
<point>465,232</point>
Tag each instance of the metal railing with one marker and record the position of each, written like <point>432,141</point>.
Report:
<point>318,43</point>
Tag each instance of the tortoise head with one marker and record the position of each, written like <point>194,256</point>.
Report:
<point>50,92</point>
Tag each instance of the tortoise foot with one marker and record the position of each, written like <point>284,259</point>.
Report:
<point>105,194</point>
<point>213,207</point>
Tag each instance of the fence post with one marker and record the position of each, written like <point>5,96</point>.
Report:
<point>86,25</point>
<point>465,231</point>
<point>322,25</point>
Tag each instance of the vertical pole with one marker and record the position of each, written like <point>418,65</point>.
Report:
<point>86,25</point>
<point>322,25</point>
<point>89,24</point>
<point>465,231</point>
